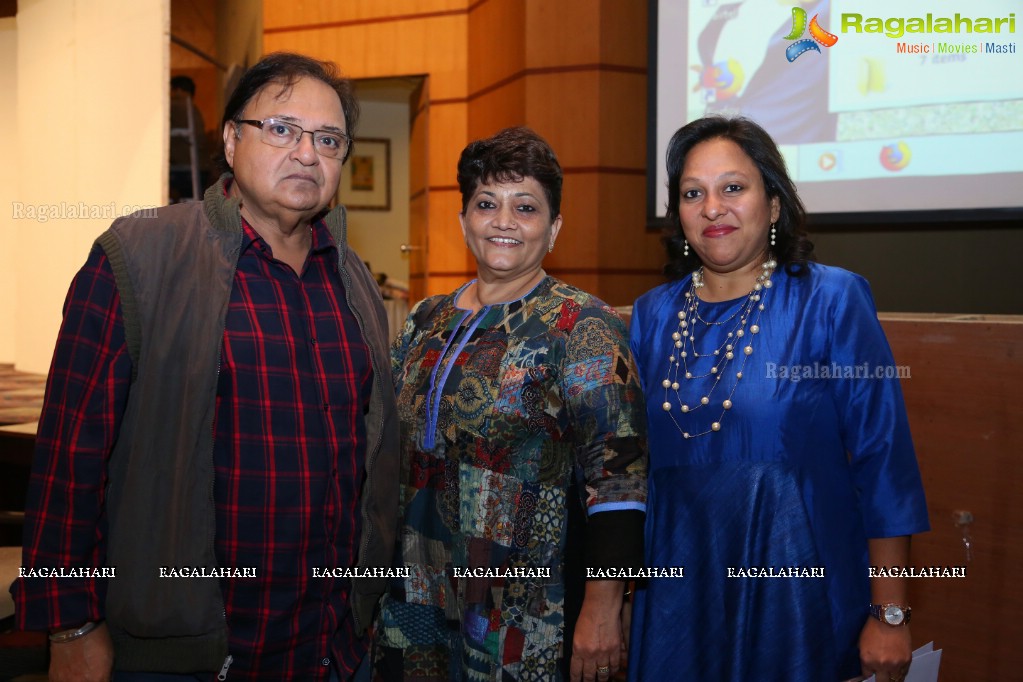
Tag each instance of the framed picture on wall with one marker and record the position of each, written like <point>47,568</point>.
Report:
<point>366,177</point>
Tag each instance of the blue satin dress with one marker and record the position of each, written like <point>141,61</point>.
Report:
<point>804,469</point>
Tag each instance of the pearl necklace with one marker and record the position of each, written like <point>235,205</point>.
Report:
<point>684,355</point>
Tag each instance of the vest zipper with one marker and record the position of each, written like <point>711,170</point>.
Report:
<point>222,675</point>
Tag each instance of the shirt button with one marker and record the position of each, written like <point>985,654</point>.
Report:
<point>313,340</point>
<point>326,406</point>
<point>325,661</point>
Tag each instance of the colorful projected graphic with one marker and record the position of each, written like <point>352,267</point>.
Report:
<point>895,157</point>
<point>819,35</point>
<point>724,78</point>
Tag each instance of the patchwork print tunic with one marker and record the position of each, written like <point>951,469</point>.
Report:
<point>500,410</point>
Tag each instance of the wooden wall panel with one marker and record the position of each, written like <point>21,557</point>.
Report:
<point>563,32</point>
<point>497,109</point>
<point>630,257</point>
<point>622,106</point>
<point>577,244</point>
<point>448,136</point>
<point>564,108</point>
<point>281,15</point>
<point>497,50</point>
<point>435,45</point>
<point>417,238</point>
<point>620,18</point>
<point>963,400</point>
<point>447,251</point>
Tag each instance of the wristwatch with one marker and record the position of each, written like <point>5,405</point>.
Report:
<point>891,614</point>
<point>71,635</point>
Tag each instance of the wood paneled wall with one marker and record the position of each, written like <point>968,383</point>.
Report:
<point>574,70</point>
<point>963,398</point>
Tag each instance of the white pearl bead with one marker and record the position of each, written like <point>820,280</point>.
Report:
<point>748,350</point>
<point>683,354</point>
<point>666,406</point>
<point>767,284</point>
<point>682,313</point>
<point>685,333</point>
<point>684,324</point>
<point>755,329</point>
<point>666,383</point>
<point>674,386</point>
<point>671,358</point>
<point>678,344</point>
<point>729,347</point>
<point>704,400</point>
<point>729,355</point>
<point>757,286</point>
<point>685,434</point>
<point>760,307</point>
<point>676,336</point>
<point>727,404</point>
<point>738,375</point>
<point>740,333</point>
<point>713,370</point>
<point>685,408</point>
<point>715,426</point>
<point>717,352</point>
<point>689,375</point>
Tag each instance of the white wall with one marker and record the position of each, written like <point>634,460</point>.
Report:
<point>8,188</point>
<point>92,118</point>
<point>377,235</point>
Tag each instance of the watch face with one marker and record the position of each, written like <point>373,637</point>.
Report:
<point>893,615</point>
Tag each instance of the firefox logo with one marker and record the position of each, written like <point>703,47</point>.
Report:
<point>895,157</point>
<point>724,78</point>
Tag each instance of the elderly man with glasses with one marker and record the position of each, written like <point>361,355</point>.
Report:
<point>217,451</point>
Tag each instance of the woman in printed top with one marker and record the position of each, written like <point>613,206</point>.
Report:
<point>523,451</point>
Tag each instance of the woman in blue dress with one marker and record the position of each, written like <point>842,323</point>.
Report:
<point>781,465</point>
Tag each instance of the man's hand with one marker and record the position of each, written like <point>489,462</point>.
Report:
<point>86,659</point>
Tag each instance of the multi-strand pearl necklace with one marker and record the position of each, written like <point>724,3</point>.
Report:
<point>682,362</point>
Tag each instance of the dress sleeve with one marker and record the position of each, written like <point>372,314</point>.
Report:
<point>875,428</point>
<point>606,408</point>
<point>86,393</point>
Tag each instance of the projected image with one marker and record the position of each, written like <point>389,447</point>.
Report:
<point>915,105</point>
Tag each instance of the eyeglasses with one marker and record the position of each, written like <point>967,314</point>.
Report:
<point>278,133</point>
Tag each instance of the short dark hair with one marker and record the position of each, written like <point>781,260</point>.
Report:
<point>183,83</point>
<point>511,155</point>
<point>792,248</point>
<point>285,69</point>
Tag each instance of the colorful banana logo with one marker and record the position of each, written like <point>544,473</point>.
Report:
<point>818,34</point>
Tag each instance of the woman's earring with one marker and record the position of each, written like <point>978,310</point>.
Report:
<point>774,233</point>
<point>685,247</point>
<point>550,248</point>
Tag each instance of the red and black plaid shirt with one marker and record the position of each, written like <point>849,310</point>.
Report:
<point>289,452</point>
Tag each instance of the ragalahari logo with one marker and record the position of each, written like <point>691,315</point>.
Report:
<point>818,34</point>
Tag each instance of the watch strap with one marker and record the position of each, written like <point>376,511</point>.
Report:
<point>71,635</point>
